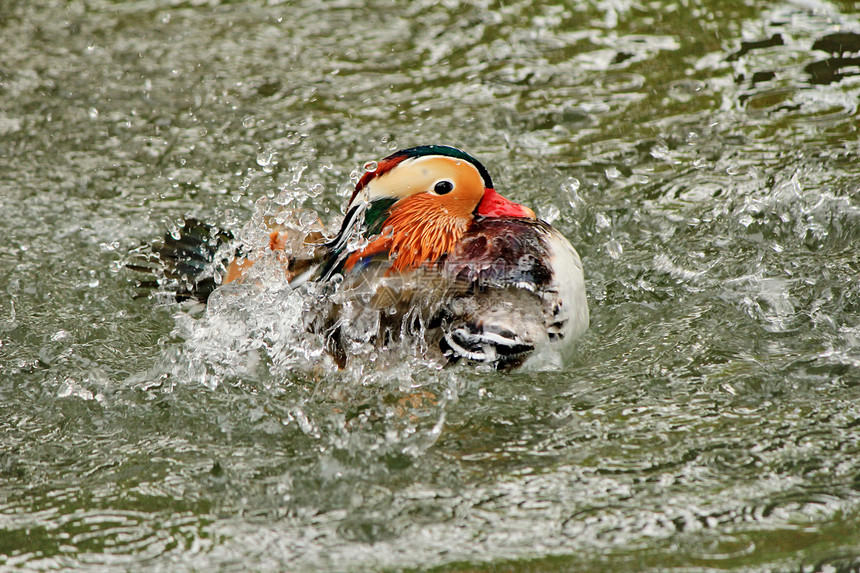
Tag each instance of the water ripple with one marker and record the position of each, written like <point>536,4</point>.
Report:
<point>702,158</point>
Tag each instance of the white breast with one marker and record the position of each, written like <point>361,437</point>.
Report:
<point>568,282</point>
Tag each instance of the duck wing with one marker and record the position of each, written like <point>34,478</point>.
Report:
<point>521,286</point>
<point>196,258</point>
<point>187,262</point>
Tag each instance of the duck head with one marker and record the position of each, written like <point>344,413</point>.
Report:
<point>416,205</point>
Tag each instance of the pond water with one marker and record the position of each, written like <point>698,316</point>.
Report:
<point>702,156</point>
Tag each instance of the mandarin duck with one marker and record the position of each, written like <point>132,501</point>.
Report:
<point>429,248</point>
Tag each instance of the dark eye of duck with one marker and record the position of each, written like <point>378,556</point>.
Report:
<point>443,187</point>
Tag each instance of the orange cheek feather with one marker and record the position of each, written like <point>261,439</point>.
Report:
<point>419,230</point>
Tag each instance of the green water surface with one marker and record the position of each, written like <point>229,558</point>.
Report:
<point>703,156</point>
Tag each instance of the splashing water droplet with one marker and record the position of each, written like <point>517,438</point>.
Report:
<point>308,219</point>
<point>70,387</point>
<point>371,166</point>
<point>59,335</point>
<point>602,221</point>
<point>613,249</point>
<point>298,169</point>
<point>265,159</point>
<point>550,214</point>
<point>571,190</point>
